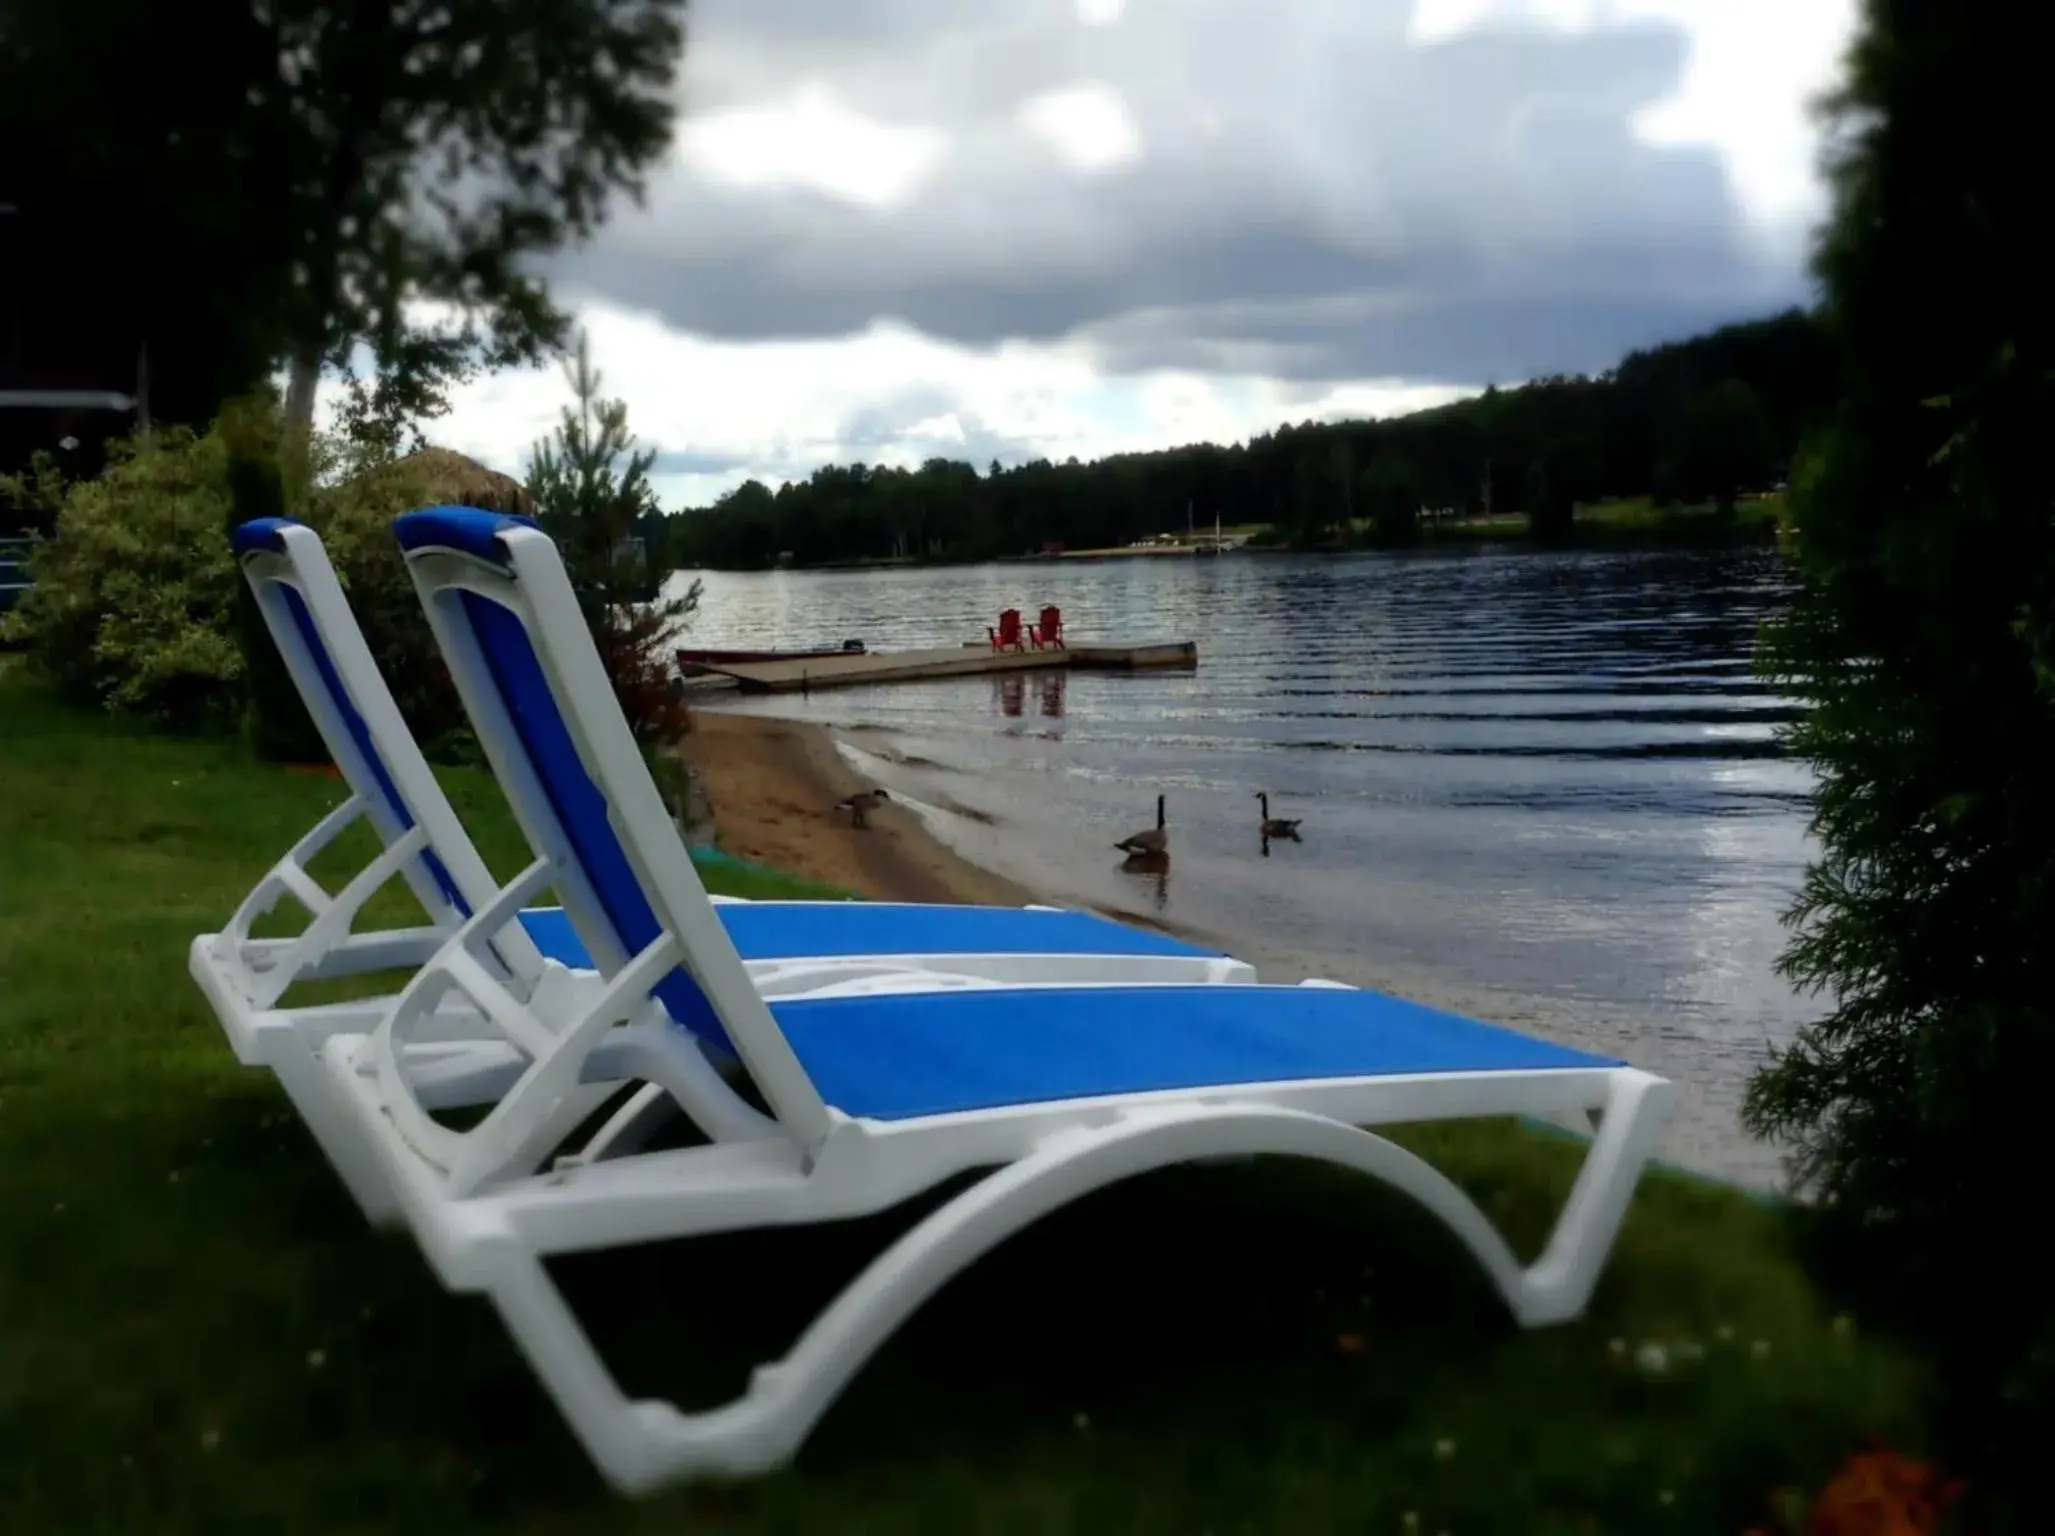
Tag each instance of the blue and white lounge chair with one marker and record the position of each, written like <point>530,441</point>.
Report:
<point>788,947</point>
<point>871,1099</point>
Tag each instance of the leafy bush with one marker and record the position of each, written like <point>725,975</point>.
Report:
<point>28,501</point>
<point>135,603</point>
<point>130,598</point>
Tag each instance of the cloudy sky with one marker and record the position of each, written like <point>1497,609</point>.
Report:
<point>891,229</point>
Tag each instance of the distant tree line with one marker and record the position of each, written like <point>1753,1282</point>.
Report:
<point>1697,421</point>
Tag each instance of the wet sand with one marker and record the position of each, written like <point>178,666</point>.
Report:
<point>773,785</point>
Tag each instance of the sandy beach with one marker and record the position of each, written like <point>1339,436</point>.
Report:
<point>773,785</point>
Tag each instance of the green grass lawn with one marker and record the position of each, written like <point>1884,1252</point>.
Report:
<point>1754,516</point>
<point>1633,521</point>
<point>199,1334</point>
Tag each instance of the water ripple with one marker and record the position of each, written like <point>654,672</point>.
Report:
<point>1548,789</point>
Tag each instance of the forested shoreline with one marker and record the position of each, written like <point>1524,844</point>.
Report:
<point>1696,422</point>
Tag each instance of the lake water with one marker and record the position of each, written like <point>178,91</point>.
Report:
<point>1540,789</point>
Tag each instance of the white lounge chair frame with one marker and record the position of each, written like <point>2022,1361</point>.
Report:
<point>244,978</point>
<point>488,1205</point>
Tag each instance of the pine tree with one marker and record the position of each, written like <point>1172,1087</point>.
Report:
<point>592,495</point>
<point>1389,494</point>
<point>1727,446</point>
<point>1920,645</point>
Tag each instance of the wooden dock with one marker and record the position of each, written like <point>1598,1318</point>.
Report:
<point>805,674</point>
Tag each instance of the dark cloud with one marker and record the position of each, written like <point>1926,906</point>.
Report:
<point>684,461</point>
<point>1313,193</point>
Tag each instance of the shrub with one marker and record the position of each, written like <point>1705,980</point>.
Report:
<point>135,603</point>
<point>1918,644</point>
<point>130,597</point>
<point>29,500</point>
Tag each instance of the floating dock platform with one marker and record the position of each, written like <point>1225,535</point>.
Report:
<point>804,674</point>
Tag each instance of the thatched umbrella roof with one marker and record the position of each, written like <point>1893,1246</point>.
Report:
<point>466,482</point>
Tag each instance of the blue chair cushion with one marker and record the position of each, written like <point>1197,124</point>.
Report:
<point>904,1056</point>
<point>776,930</point>
<point>581,810</point>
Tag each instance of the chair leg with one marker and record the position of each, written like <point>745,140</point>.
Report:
<point>293,1057</point>
<point>305,1083</point>
<point>640,1445</point>
<point>1559,1284</point>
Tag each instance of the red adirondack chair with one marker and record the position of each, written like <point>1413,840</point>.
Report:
<point>1007,636</point>
<point>1047,633</point>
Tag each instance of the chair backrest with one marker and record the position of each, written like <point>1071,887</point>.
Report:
<point>325,653</point>
<point>531,678</point>
<point>1009,626</point>
<point>1052,622</point>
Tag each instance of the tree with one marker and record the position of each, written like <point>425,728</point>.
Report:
<point>275,717</point>
<point>1565,472</point>
<point>592,495</point>
<point>437,150</point>
<point>140,118</point>
<point>317,177</point>
<point>1322,485</point>
<point>382,415</point>
<point>1389,494</point>
<point>1919,644</point>
<point>1551,507</point>
<point>1727,447</point>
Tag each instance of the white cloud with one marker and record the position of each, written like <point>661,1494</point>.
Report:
<point>1754,68</point>
<point>811,140</point>
<point>1100,13</point>
<point>1089,126</point>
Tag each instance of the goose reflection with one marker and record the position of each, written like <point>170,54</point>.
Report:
<point>1151,870</point>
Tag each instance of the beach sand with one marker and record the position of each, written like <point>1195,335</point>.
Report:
<point>773,785</point>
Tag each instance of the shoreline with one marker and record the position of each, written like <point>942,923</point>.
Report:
<point>773,785</point>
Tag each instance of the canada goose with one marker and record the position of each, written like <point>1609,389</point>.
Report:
<point>1155,840</point>
<point>1277,826</point>
<point>861,804</point>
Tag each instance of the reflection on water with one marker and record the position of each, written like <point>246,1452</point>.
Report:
<point>1011,691</point>
<point>1544,789</point>
<point>1151,874</point>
